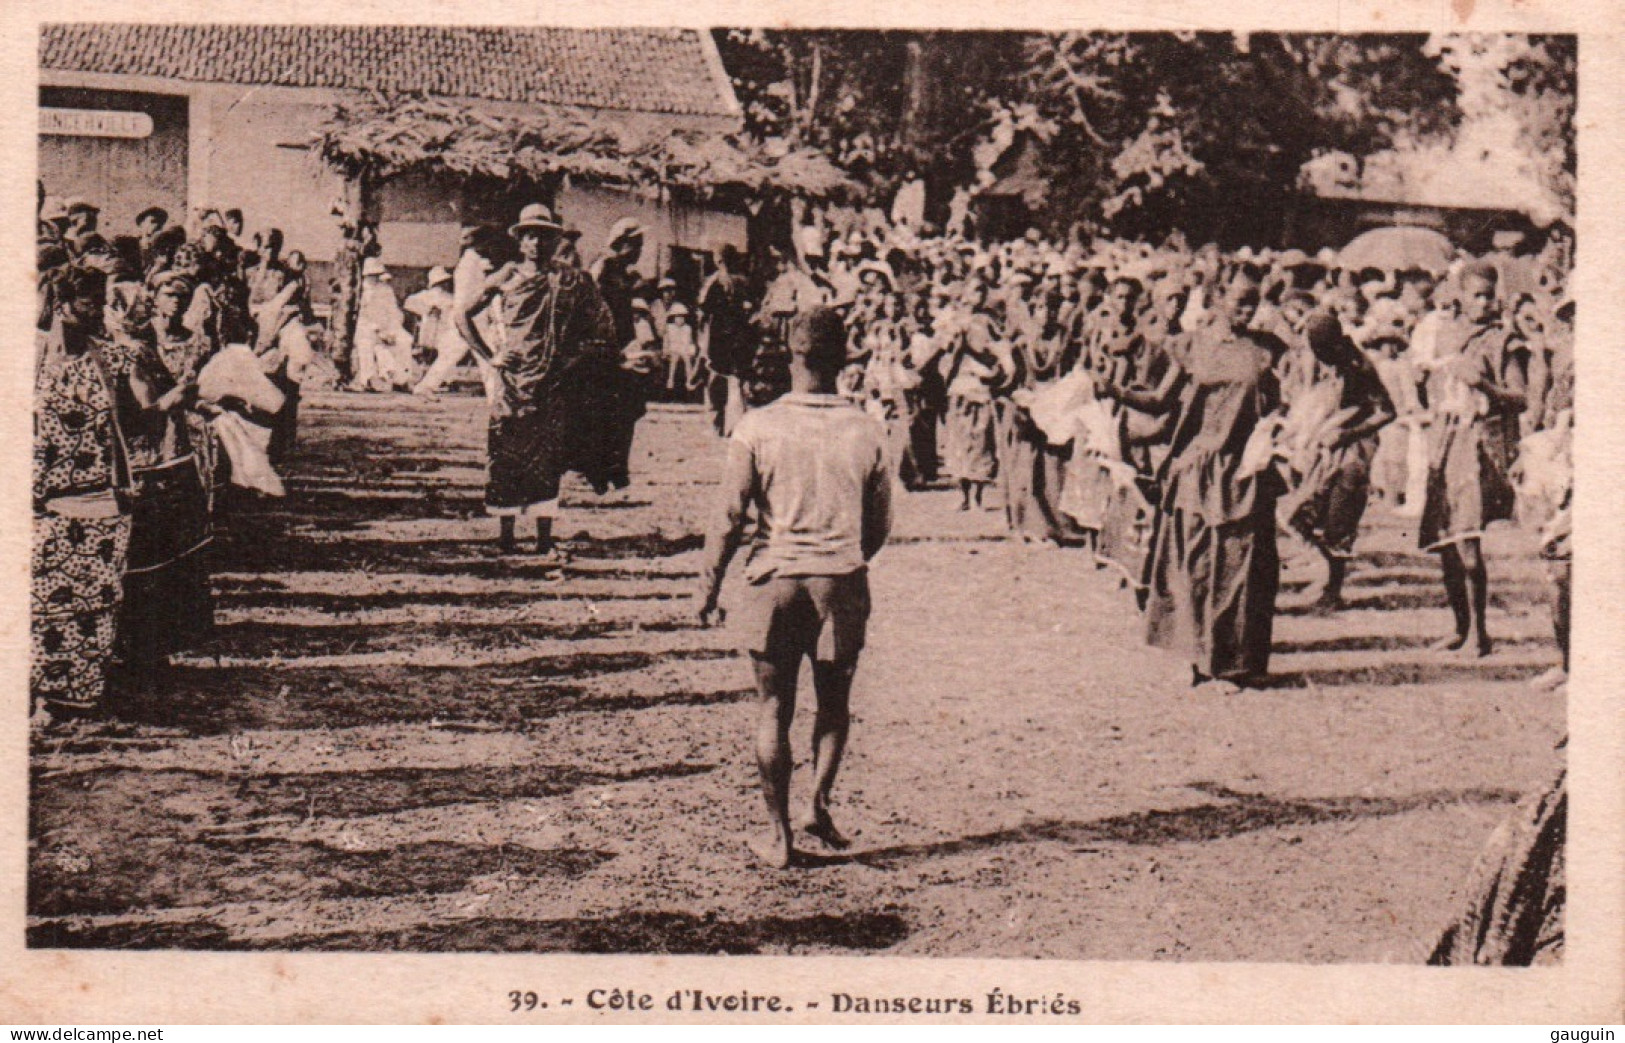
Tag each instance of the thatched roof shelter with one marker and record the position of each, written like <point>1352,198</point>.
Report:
<point>382,137</point>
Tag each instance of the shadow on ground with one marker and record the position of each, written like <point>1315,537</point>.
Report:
<point>1239,814</point>
<point>628,932</point>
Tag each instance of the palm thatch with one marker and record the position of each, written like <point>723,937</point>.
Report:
<point>382,137</point>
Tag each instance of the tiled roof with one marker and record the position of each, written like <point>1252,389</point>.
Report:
<point>646,70</point>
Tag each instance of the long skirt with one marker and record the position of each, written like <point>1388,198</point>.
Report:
<point>922,438</point>
<point>1468,485</point>
<point>168,606</point>
<point>1089,490</point>
<point>603,404</point>
<point>1211,591</point>
<point>1125,532</point>
<point>76,590</point>
<point>1021,474</point>
<point>970,440</point>
<point>1329,503</point>
<point>527,458</point>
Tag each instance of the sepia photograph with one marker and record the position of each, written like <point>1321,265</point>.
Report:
<point>1073,495</point>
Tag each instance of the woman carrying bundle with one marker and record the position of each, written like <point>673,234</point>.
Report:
<point>1477,391</point>
<point>1213,569</point>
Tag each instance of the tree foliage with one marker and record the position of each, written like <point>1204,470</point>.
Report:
<point>1204,131</point>
<point>885,105</point>
<point>1141,133</point>
<point>1529,81</point>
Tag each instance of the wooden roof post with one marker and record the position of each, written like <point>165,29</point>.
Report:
<point>360,238</point>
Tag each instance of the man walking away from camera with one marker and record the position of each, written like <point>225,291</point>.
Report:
<point>813,467</point>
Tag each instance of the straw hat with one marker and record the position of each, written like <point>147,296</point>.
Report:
<point>538,216</point>
<point>373,266</point>
<point>438,275</point>
<point>625,228</point>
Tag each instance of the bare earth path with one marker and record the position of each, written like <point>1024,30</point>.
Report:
<point>398,740</point>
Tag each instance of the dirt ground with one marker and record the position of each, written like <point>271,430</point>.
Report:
<point>398,740</point>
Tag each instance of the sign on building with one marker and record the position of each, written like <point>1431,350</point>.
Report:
<point>95,123</point>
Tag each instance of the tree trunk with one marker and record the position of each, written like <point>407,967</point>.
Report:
<point>915,95</point>
<point>352,253</point>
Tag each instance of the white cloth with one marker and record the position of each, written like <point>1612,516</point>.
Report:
<point>246,444</point>
<point>382,345</point>
<point>1055,407</point>
<point>235,372</point>
<point>467,283</point>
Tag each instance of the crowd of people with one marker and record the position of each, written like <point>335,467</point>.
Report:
<point>167,374</point>
<point>1177,410</point>
<point>1173,411</point>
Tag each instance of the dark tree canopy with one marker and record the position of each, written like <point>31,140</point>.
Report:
<point>1137,132</point>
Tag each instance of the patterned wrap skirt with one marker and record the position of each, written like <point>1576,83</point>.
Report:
<point>77,567</point>
<point>527,454</point>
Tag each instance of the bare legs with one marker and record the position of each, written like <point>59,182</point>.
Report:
<point>832,682</point>
<point>507,543</point>
<point>776,708</point>
<point>1466,586</point>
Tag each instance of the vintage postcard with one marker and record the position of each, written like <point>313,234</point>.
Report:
<point>1065,513</point>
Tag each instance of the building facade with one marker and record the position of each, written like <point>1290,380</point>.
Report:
<point>193,117</point>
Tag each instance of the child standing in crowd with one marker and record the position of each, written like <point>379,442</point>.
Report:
<point>972,367</point>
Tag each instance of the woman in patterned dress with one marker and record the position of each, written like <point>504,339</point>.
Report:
<point>183,352</point>
<point>971,370</point>
<point>168,605</point>
<point>81,523</point>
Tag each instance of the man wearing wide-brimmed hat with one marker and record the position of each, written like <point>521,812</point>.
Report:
<point>557,347</point>
<point>382,345</point>
<point>436,330</point>
<point>618,277</point>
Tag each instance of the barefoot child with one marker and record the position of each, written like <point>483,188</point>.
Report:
<point>813,467</point>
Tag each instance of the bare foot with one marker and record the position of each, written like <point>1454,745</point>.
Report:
<point>818,824</point>
<point>1551,680</point>
<point>1448,644</point>
<point>1474,650</point>
<point>773,851</point>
